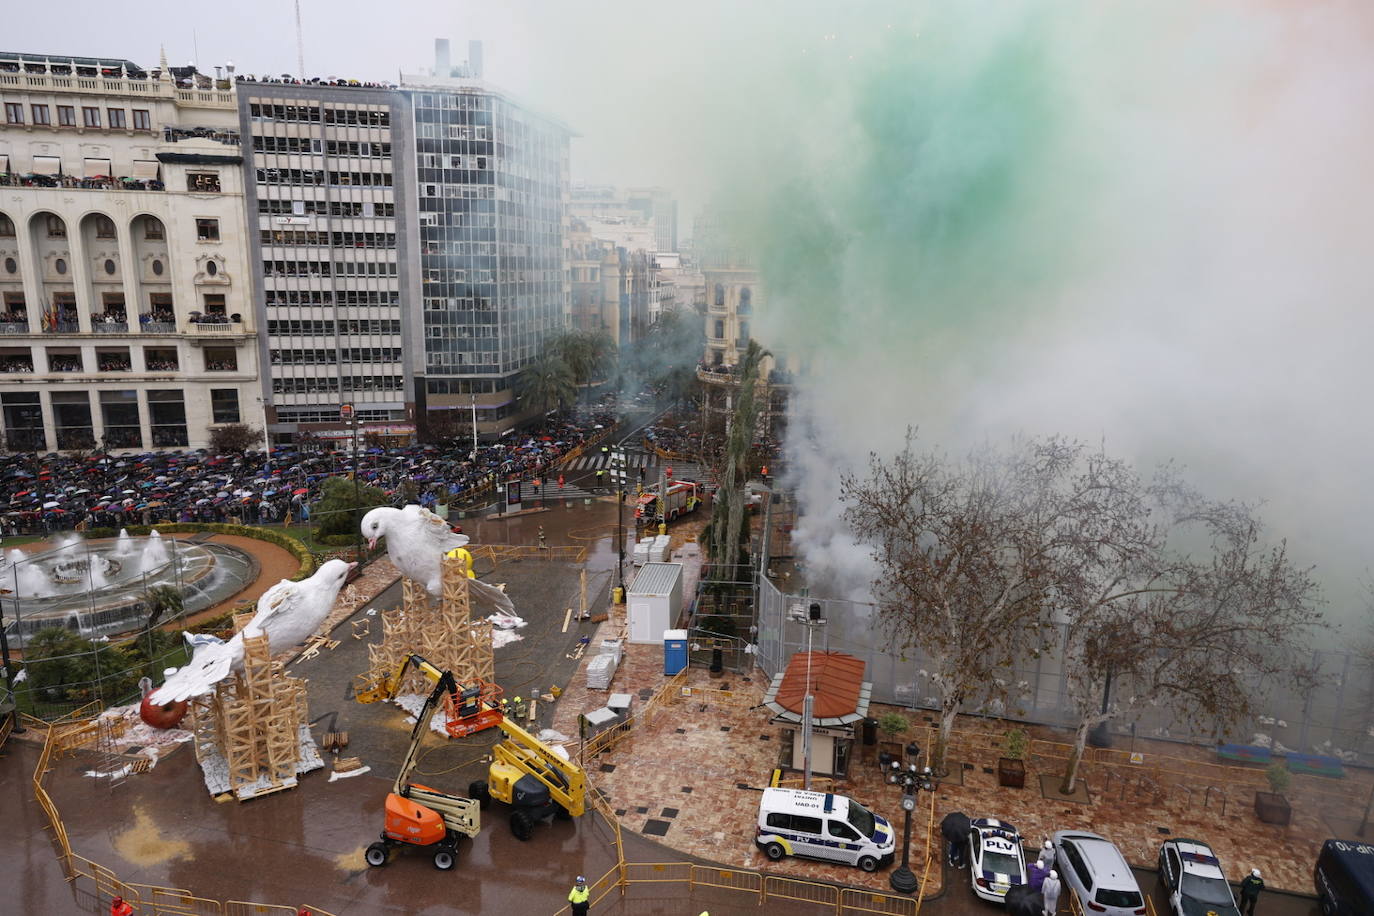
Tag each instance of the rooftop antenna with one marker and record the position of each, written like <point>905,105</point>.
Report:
<point>300,44</point>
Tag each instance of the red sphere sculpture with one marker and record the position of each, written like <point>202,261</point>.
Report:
<point>161,715</point>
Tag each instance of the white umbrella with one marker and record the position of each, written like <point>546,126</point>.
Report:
<point>51,505</point>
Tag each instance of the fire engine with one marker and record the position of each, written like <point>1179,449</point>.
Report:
<point>681,497</point>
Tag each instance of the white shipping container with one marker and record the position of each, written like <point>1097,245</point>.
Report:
<point>654,602</point>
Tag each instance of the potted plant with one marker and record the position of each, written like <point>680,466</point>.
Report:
<point>1272,807</point>
<point>1011,767</point>
<point>891,724</point>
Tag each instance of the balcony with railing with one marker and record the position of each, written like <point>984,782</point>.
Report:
<point>108,326</point>
<point>218,134</point>
<point>56,326</point>
<point>14,327</point>
<point>71,182</point>
<point>204,328</point>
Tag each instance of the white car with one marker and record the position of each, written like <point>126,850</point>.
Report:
<point>998,862</point>
<point>1095,872</point>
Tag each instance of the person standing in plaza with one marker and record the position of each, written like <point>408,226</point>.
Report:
<point>120,907</point>
<point>1249,892</point>
<point>1046,858</point>
<point>580,897</point>
<point>1050,891</point>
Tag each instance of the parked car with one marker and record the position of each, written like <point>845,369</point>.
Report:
<point>1192,875</point>
<point>1344,875</point>
<point>1095,871</point>
<point>823,825</point>
<point>998,862</point>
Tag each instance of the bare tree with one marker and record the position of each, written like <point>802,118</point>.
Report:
<point>1170,598</point>
<point>964,561</point>
<point>234,438</point>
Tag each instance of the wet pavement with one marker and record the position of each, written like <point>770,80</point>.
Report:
<point>304,846</point>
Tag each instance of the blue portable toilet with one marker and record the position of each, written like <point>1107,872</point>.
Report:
<point>674,651</point>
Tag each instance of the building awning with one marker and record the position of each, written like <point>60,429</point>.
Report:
<point>146,168</point>
<point>93,168</point>
<point>47,165</point>
<point>835,682</point>
<point>786,716</point>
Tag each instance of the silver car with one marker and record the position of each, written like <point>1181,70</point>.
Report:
<point>1095,871</point>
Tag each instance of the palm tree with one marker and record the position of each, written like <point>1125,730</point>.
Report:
<point>546,380</point>
<point>587,354</point>
<point>727,514</point>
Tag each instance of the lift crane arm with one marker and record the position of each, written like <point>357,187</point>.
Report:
<point>565,780</point>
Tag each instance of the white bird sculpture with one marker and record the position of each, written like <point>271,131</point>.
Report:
<point>288,612</point>
<point>416,542</point>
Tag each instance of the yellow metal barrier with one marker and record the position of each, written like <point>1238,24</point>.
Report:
<point>857,901</point>
<point>776,886</point>
<point>242,908</point>
<point>658,872</point>
<point>728,878</point>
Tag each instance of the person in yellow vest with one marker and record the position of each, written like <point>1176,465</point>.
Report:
<point>462,554</point>
<point>580,897</point>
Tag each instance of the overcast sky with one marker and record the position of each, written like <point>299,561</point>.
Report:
<point>1145,223</point>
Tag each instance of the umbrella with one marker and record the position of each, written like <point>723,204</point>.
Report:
<point>955,827</point>
<point>300,492</point>
<point>51,505</point>
<point>1022,901</point>
<point>129,492</point>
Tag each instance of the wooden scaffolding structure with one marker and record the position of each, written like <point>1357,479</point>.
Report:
<point>251,725</point>
<point>445,635</point>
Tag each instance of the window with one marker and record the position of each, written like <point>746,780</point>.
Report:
<point>152,229</point>
<point>207,230</point>
<point>14,113</point>
<point>224,405</point>
<point>41,114</point>
<point>6,227</point>
<point>214,304</point>
<point>104,227</point>
<point>842,830</point>
<point>56,228</point>
<point>202,182</point>
<point>90,117</point>
<point>141,120</point>
<point>116,117</point>
<point>66,116</point>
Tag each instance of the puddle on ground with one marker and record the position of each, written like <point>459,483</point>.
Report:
<point>144,843</point>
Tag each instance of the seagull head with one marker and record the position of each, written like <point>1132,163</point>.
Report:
<point>376,523</point>
<point>334,571</point>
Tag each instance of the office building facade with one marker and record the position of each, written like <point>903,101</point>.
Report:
<point>492,179</point>
<point>328,170</point>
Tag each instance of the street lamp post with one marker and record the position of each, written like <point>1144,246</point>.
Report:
<point>912,781</point>
<point>618,479</point>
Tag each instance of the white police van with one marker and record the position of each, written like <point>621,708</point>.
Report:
<point>821,825</point>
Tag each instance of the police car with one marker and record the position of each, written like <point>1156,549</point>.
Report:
<point>822,825</point>
<point>998,862</point>
<point>1192,875</point>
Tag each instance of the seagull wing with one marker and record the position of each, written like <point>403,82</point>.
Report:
<point>489,598</point>
<point>206,668</point>
<point>435,532</point>
<point>279,601</point>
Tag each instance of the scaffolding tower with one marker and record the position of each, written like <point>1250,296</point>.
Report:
<point>445,635</point>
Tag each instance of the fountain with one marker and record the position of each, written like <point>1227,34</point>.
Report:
<point>100,587</point>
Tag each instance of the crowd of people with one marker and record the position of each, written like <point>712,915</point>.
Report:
<point>47,493</point>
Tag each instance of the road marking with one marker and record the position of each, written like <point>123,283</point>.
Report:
<point>567,618</point>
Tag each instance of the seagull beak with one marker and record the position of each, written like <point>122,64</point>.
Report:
<point>371,543</point>
<point>351,567</point>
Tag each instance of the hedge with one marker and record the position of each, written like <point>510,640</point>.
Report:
<point>284,541</point>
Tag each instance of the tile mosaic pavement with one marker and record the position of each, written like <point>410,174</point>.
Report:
<point>685,759</point>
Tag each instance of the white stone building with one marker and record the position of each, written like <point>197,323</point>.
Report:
<point>127,320</point>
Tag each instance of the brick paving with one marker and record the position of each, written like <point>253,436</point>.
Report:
<point>680,780</point>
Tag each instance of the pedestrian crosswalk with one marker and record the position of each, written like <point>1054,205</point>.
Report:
<point>634,461</point>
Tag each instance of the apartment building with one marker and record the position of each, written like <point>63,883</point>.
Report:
<point>126,317</point>
<point>330,180</point>
<point>492,179</point>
